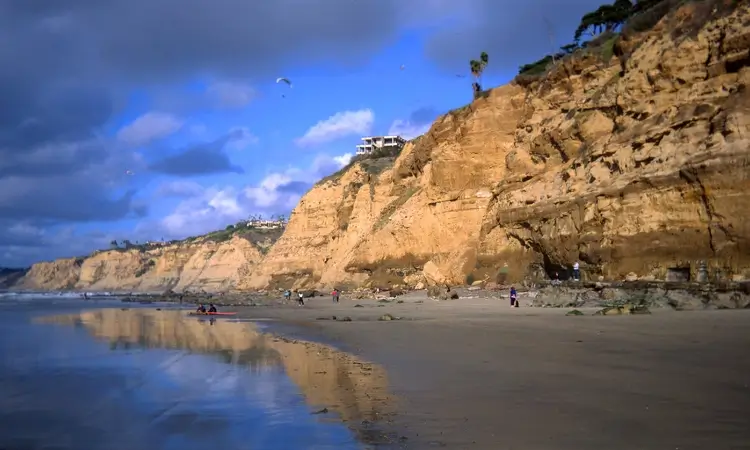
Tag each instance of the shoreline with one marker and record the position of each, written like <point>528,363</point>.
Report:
<point>474,373</point>
<point>562,294</point>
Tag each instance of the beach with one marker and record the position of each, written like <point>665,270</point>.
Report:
<point>407,372</point>
<point>475,373</point>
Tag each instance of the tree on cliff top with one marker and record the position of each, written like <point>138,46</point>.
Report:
<point>605,18</point>
<point>477,66</point>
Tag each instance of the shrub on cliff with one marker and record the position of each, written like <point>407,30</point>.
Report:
<point>601,24</point>
<point>145,268</point>
<point>373,163</point>
<point>221,236</point>
<point>603,19</point>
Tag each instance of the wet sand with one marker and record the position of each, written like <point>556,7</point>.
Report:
<point>473,373</point>
<point>336,386</point>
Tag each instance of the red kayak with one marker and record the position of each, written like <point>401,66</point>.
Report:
<point>212,314</point>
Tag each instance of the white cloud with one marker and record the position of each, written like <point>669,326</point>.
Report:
<point>407,129</point>
<point>241,138</point>
<point>228,94</point>
<point>267,194</point>
<point>343,159</point>
<point>339,125</point>
<point>215,207</point>
<point>149,127</point>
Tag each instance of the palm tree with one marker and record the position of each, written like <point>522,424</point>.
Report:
<point>477,67</point>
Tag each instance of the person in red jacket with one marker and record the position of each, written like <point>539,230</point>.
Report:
<point>335,295</point>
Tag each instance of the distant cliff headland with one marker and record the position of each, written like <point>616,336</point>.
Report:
<point>627,152</point>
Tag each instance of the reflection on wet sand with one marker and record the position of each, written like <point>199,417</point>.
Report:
<point>354,389</point>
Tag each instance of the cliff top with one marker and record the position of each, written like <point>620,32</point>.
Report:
<point>261,236</point>
<point>618,29</point>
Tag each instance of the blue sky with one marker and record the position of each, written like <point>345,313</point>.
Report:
<point>180,129</point>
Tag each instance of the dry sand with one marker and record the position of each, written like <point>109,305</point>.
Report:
<point>473,373</point>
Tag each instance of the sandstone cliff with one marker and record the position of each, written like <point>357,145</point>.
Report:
<point>194,265</point>
<point>635,165</point>
<point>52,275</point>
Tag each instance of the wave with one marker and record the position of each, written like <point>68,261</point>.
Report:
<point>35,295</point>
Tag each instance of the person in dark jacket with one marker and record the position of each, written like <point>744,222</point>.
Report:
<point>513,297</point>
<point>212,308</point>
<point>201,309</point>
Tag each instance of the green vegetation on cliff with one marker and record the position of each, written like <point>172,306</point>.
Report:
<point>610,23</point>
<point>262,236</point>
<point>373,163</point>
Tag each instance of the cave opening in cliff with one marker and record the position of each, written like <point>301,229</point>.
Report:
<point>551,268</point>
<point>678,274</point>
<point>734,66</point>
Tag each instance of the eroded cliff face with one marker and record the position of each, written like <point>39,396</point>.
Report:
<point>635,165</point>
<point>201,265</point>
<point>52,275</point>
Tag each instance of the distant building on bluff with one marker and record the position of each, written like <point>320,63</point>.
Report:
<point>265,224</point>
<point>372,143</point>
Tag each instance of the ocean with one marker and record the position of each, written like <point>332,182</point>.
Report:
<point>105,375</point>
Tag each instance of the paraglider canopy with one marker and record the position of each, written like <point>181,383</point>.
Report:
<point>284,80</point>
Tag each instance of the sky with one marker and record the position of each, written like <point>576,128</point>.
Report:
<point>162,119</point>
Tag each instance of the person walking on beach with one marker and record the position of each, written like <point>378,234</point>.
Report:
<point>513,297</point>
<point>287,294</point>
<point>576,271</point>
<point>301,298</point>
<point>335,295</point>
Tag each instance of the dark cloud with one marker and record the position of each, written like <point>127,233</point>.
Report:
<point>22,244</point>
<point>513,33</point>
<point>62,199</point>
<point>20,235</point>
<point>32,118</point>
<point>229,37</point>
<point>201,159</point>
<point>67,158</point>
